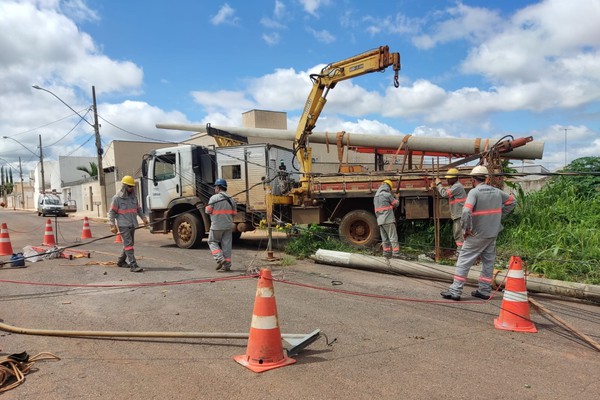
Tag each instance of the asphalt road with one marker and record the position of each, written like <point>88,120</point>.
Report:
<point>401,341</point>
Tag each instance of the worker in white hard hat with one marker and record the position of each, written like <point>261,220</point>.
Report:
<point>385,203</point>
<point>456,195</point>
<point>481,224</point>
<point>122,217</point>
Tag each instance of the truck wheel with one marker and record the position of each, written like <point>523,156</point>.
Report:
<point>188,231</point>
<point>359,228</point>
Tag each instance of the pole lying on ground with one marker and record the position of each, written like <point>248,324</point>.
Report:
<point>445,272</point>
<point>297,341</point>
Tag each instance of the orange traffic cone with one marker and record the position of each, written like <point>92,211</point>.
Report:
<point>5,246</point>
<point>118,238</point>
<point>514,311</point>
<point>49,234</point>
<point>86,232</point>
<point>264,351</point>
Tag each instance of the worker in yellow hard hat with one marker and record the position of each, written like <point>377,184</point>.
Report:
<point>385,203</point>
<point>122,217</point>
<point>456,195</point>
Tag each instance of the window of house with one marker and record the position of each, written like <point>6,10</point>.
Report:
<point>231,172</point>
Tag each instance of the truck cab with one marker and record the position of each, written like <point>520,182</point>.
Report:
<point>50,204</point>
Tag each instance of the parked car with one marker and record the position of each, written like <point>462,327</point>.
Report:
<point>50,204</point>
<point>70,206</point>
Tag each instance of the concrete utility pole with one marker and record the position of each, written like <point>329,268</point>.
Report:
<point>100,152</point>
<point>42,166</point>
<point>22,190</point>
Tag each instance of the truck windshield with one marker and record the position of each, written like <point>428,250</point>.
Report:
<point>54,202</point>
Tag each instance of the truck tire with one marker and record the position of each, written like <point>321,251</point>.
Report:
<point>359,228</point>
<point>188,231</point>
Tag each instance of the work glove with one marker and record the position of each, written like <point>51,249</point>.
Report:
<point>145,221</point>
<point>437,181</point>
<point>113,229</point>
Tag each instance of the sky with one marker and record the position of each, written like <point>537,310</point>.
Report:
<point>470,69</point>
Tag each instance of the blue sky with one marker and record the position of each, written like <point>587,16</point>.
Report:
<point>469,69</point>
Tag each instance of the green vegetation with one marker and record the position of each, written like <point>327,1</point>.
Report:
<point>308,240</point>
<point>92,170</point>
<point>556,231</point>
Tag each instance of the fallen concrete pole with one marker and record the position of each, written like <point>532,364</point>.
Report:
<point>530,151</point>
<point>446,273</point>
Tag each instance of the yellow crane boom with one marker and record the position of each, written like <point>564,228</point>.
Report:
<point>371,61</point>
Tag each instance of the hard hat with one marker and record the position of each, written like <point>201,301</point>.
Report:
<point>128,180</point>
<point>479,170</point>
<point>390,184</point>
<point>221,182</point>
<point>452,173</point>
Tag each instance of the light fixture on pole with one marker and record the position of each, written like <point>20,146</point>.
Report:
<point>41,157</point>
<point>96,127</point>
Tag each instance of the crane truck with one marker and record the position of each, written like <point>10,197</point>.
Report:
<point>265,179</point>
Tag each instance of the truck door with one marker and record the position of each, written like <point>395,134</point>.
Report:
<point>166,180</point>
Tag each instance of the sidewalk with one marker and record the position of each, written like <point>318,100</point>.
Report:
<point>92,215</point>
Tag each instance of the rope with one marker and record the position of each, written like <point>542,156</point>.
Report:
<point>13,368</point>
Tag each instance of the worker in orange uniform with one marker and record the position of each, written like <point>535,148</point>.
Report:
<point>122,217</point>
<point>221,208</point>
<point>456,196</point>
<point>481,224</point>
<point>385,203</point>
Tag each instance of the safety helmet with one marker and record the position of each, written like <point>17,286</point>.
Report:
<point>128,180</point>
<point>221,182</point>
<point>479,170</point>
<point>390,184</point>
<point>452,173</point>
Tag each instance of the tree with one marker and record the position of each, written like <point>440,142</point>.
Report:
<point>92,170</point>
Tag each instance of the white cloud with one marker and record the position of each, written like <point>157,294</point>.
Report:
<point>55,51</point>
<point>46,47</point>
<point>311,6</point>
<point>322,36</point>
<point>225,15</point>
<point>399,24</point>
<point>137,120</point>
<point>284,89</point>
<point>464,22</point>
<point>221,99</point>
<point>272,38</point>
<point>553,40</point>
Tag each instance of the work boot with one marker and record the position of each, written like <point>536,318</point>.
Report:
<point>449,295</point>
<point>220,264</point>
<point>121,263</point>
<point>396,256</point>
<point>136,268</point>
<point>480,295</point>
<point>387,255</point>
